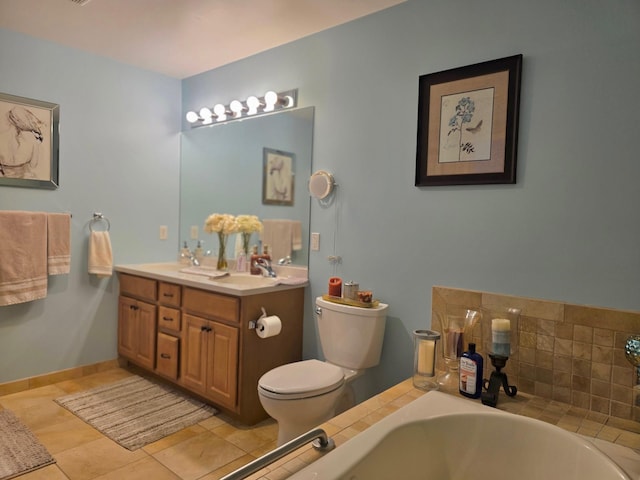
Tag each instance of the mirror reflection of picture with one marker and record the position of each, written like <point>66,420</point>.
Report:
<point>277,177</point>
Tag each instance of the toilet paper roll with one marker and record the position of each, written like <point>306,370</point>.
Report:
<point>268,326</point>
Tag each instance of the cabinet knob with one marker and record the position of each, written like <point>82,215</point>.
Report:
<point>167,319</point>
<point>165,355</point>
<point>168,295</point>
<point>133,307</point>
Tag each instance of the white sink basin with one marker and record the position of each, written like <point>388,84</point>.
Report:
<point>442,437</point>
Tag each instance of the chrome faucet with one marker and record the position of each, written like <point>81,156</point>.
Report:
<point>265,267</point>
<point>192,258</point>
<point>285,261</point>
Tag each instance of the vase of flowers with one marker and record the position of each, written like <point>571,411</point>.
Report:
<point>247,226</point>
<point>223,224</point>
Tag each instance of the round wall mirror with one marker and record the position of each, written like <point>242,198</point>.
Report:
<point>321,184</point>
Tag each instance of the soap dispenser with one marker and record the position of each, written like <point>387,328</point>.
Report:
<point>198,251</point>
<point>185,254</point>
<point>254,256</point>
<point>471,364</point>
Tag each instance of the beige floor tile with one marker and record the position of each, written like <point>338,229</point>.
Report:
<point>174,439</point>
<point>66,434</point>
<point>144,469</point>
<point>198,456</point>
<point>96,458</point>
<point>50,472</point>
<point>249,438</point>
<point>228,468</point>
<point>93,380</point>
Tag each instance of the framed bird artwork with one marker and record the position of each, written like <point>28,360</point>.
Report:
<point>29,139</point>
<point>468,124</point>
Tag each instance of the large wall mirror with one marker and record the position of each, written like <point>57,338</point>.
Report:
<point>223,170</point>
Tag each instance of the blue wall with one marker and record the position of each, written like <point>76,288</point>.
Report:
<point>119,155</point>
<point>568,230</point>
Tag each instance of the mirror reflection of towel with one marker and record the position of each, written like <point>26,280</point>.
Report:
<point>282,236</point>
<point>100,254</point>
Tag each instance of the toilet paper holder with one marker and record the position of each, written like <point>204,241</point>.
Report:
<point>254,323</point>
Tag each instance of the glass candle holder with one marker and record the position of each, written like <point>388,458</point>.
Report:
<point>457,324</point>
<point>500,330</point>
<point>424,359</point>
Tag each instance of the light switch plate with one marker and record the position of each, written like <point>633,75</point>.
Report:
<point>164,232</point>
<point>315,241</point>
<point>194,232</point>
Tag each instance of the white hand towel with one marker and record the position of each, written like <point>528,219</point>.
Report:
<point>100,255</point>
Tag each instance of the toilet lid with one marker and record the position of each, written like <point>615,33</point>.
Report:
<point>302,379</point>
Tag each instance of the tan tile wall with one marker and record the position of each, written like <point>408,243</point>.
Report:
<point>569,353</point>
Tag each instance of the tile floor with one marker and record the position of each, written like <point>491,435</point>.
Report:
<point>206,451</point>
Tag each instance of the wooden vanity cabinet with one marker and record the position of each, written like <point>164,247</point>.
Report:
<point>137,322</point>
<point>202,341</point>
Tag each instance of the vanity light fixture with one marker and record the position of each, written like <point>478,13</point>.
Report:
<point>269,102</point>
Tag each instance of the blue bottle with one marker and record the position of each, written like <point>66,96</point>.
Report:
<point>471,373</point>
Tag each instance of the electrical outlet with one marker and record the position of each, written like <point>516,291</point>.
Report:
<point>164,232</point>
<point>315,241</point>
<point>194,232</point>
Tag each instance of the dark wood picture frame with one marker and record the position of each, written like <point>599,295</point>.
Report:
<point>278,177</point>
<point>29,142</point>
<point>468,124</point>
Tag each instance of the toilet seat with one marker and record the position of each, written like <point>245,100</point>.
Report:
<point>304,379</point>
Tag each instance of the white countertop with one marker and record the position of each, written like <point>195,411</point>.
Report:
<point>233,283</point>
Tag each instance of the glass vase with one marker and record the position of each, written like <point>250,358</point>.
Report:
<point>222,254</point>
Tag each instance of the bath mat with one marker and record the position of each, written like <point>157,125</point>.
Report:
<point>20,450</point>
<point>135,411</point>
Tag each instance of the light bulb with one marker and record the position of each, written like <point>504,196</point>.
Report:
<point>236,107</point>
<point>270,98</point>
<point>220,111</point>
<point>192,117</point>
<point>206,113</point>
<point>253,103</point>
<point>289,100</point>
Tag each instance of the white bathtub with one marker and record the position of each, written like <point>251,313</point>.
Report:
<point>442,437</point>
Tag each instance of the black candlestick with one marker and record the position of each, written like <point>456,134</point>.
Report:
<point>498,379</point>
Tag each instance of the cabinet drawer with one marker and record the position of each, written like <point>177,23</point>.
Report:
<point>167,359</point>
<point>169,294</point>
<point>211,305</point>
<point>144,288</point>
<point>169,319</point>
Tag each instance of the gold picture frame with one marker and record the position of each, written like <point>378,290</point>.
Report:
<point>29,142</point>
<point>468,124</point>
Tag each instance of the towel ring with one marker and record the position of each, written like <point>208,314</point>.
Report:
<point>98,217</point>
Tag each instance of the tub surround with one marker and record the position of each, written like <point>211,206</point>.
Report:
<point>568,353</point>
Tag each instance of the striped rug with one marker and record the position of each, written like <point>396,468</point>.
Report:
<point>135,411</point>
<point>20,450</point>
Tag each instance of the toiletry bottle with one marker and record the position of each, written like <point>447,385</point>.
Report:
<point>471,373</point>
<point>265,253</point>
<point>198,251</point>
<point>254,256</point>
<point>185,254</point>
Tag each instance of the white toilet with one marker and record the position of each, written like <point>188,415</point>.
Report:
<point>302,395</point>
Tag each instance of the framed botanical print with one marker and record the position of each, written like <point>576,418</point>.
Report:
<point>468,124</point>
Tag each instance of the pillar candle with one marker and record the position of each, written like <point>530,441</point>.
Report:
<point>501,336</point>
<point>335,286</point>
<point>426,357</point>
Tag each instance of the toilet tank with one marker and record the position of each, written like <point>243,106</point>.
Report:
<point>351,336</point>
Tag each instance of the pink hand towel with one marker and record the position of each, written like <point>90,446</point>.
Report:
<point>58,243</point>
<point>23,256</point>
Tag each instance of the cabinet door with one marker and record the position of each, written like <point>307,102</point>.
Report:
<point>222,364</point>
<point>127,338</point>
<point>146,333</point>
<point>137,331</point>
<point>193,357</point>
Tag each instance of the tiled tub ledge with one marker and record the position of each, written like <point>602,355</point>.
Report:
<point>618,438</point>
